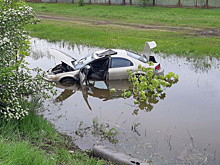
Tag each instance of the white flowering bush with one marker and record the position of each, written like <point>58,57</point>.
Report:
<point>17,86</point>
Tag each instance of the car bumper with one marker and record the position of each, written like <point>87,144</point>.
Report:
<point>159,72</point>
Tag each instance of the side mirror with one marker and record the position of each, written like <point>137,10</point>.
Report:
<point>87,67</point>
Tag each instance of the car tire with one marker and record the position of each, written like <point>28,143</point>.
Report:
<point>67,81</point>
<point>138,75</point>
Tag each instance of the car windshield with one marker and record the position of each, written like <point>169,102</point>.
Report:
<point>136,56</point>
<point>82,62</point>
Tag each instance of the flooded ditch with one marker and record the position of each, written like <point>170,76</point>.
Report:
<point>182,127</point>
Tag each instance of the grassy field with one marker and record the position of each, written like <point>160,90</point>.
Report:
<point>34,141</point>
<point>181,31</point>
<point>197,18</point>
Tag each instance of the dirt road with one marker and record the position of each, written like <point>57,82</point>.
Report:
<point>193,31</point>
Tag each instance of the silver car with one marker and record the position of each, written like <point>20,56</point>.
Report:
<point>109,64</point>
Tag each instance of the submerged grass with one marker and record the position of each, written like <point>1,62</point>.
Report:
<point>34,141</point>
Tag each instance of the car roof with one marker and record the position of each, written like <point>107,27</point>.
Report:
<point>109,52</point>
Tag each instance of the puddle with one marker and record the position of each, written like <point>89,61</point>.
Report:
<point>180,128</point>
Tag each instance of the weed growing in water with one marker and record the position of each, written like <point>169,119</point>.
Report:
<point>104,131</point>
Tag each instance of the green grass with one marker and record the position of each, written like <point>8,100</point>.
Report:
<point>34,141</point>
<point>119,37</point>
<point>12,152</point>
<point>123,27</point>
<point>203,18</point>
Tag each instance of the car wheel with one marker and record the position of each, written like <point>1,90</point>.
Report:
<point>67,81</point>
<point>138,75</point>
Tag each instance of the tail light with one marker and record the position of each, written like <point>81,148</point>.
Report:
<point>157,67</point>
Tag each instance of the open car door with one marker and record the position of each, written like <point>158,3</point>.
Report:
<point>95,70</point>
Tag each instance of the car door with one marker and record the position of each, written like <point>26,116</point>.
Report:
<point>118,68</point>
<point>95,70</point>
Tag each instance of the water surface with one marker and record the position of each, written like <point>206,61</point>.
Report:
<point>182,127</point>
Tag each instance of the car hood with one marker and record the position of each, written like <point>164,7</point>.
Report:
<point>62,57</point>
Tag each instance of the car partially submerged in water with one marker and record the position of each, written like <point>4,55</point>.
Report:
<point>111,64</point>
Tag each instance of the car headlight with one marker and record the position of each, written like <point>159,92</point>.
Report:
<point>51,76</point>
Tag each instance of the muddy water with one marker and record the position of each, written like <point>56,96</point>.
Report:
<point>182,127</point>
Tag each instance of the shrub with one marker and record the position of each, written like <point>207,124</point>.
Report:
<point>81,2</point>
<point>17,85</point>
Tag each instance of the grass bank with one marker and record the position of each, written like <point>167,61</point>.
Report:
<point>185,32</point>
<point>34,141</point>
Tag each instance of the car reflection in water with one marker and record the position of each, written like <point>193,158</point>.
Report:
<point>102,90</point>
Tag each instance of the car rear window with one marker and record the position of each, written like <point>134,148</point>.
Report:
<point>136,56</point>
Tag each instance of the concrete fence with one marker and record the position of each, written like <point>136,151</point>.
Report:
<point>166,3</point>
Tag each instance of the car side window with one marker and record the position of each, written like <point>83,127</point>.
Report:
<point>117,62</point>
